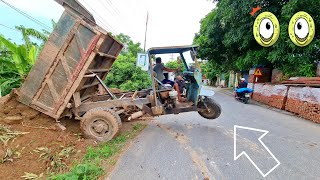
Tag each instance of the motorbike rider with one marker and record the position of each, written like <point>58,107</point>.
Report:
<point>242,84</point>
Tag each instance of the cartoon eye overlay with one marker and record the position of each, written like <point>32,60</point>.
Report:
<point>301,29</point>
<point>266,29</point>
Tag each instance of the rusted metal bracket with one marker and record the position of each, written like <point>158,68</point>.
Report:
<point>105,87</point>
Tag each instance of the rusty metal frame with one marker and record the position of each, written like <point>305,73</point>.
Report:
<point>84,107</point>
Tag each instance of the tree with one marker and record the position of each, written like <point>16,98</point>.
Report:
<point>226,38</point>
<point>124,73</point>
<point>17,60</point>
<point>174,65</point>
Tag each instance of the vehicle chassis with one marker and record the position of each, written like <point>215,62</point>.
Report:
<point>67,79</point>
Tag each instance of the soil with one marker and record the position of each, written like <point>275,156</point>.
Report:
<point>43,131</point>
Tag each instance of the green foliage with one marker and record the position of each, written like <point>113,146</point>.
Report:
<point>27,33</point>
<point>211,70</point>
<point>124,73</point>
<point>174,65</point>
<point>86,171</point>
<point>90,166</point>
<point>226,38</point>
<point>16,60</point>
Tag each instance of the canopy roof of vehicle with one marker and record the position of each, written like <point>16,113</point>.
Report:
<point>171,49</point>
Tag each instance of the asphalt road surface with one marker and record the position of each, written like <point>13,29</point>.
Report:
<point>187,146</point>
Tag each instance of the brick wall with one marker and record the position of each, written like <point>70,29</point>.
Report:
<point>262,93</point>
<point>303,101</point>
<point>279,96</point>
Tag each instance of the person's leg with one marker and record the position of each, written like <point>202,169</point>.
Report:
<point>176,87</point>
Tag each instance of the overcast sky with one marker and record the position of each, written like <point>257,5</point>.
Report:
<point>171,22</point>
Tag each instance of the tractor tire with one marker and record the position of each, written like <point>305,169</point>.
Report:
<point>101,124</point>
<point>215,109</point>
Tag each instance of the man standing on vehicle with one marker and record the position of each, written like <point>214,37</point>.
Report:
<point>159,68</point>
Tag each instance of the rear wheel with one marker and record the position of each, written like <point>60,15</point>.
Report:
<point>209,109</point>
<point>101,124</point>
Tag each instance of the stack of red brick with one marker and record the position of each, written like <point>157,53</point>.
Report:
<point>262,93</point>
<point>257,94</point>
<point>305,102</point>
<point>279,96</point>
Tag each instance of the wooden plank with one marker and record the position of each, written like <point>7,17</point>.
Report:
<point>79,78</point>
<point>76,98</point>
<point>106,55</point>
<point>89,76</point>
<point>56,61</point>
<point>89,85</point>
<point>80,47</point>
<point>147,110</point>
<point>97,70</point>
<point>65,66</point>
<point>76,76</point>
<point>43,107</point>
<point>52,89</point>
<point>90,92</point>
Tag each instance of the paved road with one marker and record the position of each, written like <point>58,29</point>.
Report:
<point>186,146</point>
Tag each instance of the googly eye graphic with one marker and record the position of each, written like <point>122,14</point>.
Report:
<point>266,29</point>
<point>301,29</point>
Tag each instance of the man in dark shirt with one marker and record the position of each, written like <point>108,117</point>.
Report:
<point>243,83</point>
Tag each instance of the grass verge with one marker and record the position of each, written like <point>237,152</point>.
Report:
<point>92,166</point>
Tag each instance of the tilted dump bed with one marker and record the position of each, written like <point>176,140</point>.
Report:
<point>76,49</point>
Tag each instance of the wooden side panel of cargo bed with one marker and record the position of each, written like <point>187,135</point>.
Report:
<point>59,74</point>
<point>46,58</point>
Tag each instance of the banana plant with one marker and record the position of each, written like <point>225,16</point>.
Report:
<point>17,60</point>
<point>16,65</point>
<point>22,58</point>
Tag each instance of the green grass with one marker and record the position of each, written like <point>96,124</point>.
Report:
<point>89,167</point>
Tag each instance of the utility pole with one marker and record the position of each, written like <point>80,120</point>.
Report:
<point>145,35</point>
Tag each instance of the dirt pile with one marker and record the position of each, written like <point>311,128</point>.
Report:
<point>12,110</point>
<point>32,142</point>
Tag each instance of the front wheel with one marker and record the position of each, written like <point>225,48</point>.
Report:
<point>209,109</point>
<point>101,124</point>
<point>245,100</point>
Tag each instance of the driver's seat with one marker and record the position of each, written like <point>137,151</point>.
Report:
<point>166,87</point>
<point>163,89</point>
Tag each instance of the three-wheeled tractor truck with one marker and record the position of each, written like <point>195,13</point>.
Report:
<point>71,68</point>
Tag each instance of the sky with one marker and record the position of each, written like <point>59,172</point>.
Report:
<point>170,22</point>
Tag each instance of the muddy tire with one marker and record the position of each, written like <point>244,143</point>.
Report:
<point>214,109</point>
<point>100,124</point>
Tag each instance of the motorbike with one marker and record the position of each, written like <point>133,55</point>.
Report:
<point>243,94</point>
